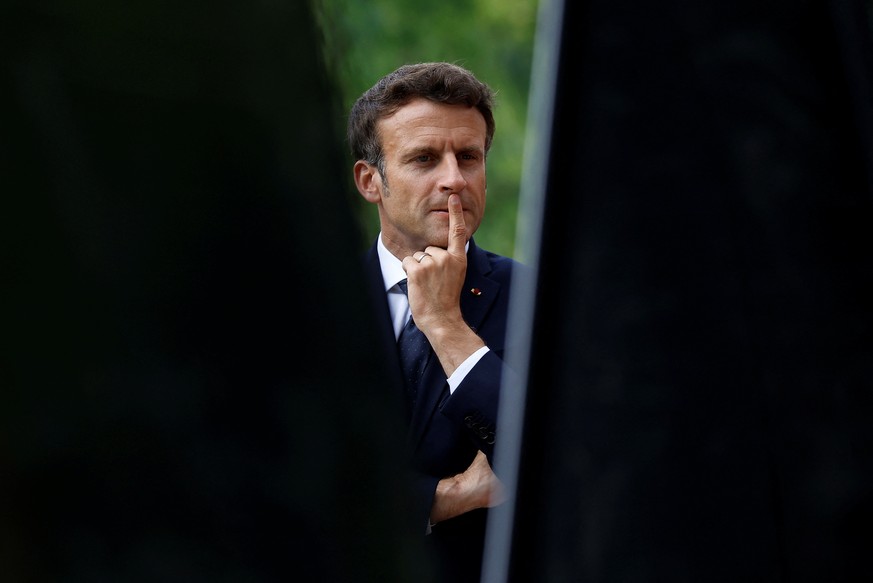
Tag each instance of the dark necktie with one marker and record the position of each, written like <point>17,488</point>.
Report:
<point>414,351</point>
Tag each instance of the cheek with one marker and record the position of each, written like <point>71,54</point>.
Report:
<point>480,200</point>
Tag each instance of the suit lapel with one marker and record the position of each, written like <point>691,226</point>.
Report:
<point>479,292</point>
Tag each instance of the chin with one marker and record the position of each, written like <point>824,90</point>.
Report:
<point>441,240</point>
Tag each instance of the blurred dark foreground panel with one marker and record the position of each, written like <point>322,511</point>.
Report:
<point>188,390</point>
<point>701,382</point>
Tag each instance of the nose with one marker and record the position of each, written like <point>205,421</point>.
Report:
<point>451,178</point>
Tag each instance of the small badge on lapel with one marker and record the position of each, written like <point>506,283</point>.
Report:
<point>476,291</point>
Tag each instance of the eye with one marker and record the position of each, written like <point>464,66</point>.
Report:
<point>423,158</point>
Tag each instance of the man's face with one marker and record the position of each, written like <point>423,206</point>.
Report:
<point>431,151</point>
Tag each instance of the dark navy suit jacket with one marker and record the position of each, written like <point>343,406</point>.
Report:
<point>445,430</point>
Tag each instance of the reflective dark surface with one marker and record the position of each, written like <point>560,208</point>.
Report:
<point>188,389</point>
<point>699,400</point>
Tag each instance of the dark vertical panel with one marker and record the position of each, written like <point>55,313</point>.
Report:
<point>699,399</point>
<point>188,392</point>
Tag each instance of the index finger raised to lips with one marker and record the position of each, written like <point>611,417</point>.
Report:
<point>457,226</point>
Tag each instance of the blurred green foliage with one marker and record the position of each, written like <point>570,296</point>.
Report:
<point>362,41</point>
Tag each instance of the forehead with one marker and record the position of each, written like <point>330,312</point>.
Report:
<point>422,120</point>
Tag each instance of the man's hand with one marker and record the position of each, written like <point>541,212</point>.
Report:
<point>476,487</point>
<point>436,275</point>
<point>435,278</point>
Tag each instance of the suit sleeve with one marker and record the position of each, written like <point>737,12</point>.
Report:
<point>473,406</point>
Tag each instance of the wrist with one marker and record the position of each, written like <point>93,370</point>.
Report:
<point>454,345</point>
<point>445,500</point>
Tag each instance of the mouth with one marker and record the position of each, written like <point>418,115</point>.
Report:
<point>446,211</point>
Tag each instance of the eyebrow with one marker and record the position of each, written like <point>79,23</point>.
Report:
<point>472,150</point>
<point>425,149</point>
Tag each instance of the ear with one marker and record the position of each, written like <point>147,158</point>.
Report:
<point>369,181</point>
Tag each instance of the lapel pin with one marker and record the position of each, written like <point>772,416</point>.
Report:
<point>476,291</point>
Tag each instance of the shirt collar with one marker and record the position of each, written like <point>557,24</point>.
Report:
<point>392,269</point>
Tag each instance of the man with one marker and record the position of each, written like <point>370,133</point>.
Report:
<point>420,137</point>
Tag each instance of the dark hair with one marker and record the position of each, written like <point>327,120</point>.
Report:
<point>439,82</point>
